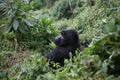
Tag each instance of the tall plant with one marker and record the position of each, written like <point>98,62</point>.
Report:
<point>15,16</point>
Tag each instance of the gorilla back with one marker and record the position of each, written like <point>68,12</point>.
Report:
<point>67,41</point>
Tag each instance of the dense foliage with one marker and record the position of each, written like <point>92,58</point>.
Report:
<point>28,27</point>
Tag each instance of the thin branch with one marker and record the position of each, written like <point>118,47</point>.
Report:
<point>71,9</point>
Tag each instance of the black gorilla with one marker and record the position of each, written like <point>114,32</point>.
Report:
<point>67,41</point>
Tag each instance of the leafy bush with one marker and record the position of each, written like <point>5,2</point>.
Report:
<point>67,8</point>
<point>109,47</point>
<point>27,35</point>
<point>92,19</point>
<point>76,68</point>
<point>7,41</point>
<point>33,67</point>
<point>64,24</point>
<point>40,35</point>
<point>39,4</point>
<point>7,60</point>
<point>62,9</point>
<point>15,16</point>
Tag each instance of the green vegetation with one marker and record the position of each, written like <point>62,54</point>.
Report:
<point>28,28</point>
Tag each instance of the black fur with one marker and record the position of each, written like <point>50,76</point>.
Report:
<point>67,41</point>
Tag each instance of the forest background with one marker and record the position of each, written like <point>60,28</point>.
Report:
<point>28,28</point>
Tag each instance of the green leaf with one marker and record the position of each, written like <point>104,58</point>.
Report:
<point>104,66</point>
<point>15,24</point>
<point>25,27</point>
<point>83,61</point>
<point>28,22</point>
<point>50,21</point>
<point>21,29</point>
<point>109,28</point>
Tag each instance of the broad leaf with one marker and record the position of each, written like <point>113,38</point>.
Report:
<point>15,24</point>
<point>28,22</point>
<point>21,29</point>
<point>105,66</point>
<point>109,28</point>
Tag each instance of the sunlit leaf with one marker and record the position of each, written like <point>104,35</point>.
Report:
<point>15,24</point>
<point>104,66</point>
<point>28,22</point>
<point>109,28</point>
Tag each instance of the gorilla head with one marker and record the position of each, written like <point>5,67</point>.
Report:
<point>67,41</point>
<point>66,37</point>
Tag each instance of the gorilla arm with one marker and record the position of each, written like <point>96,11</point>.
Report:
<point>58,55</point>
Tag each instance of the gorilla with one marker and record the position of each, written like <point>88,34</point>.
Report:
<point>67,41</point>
